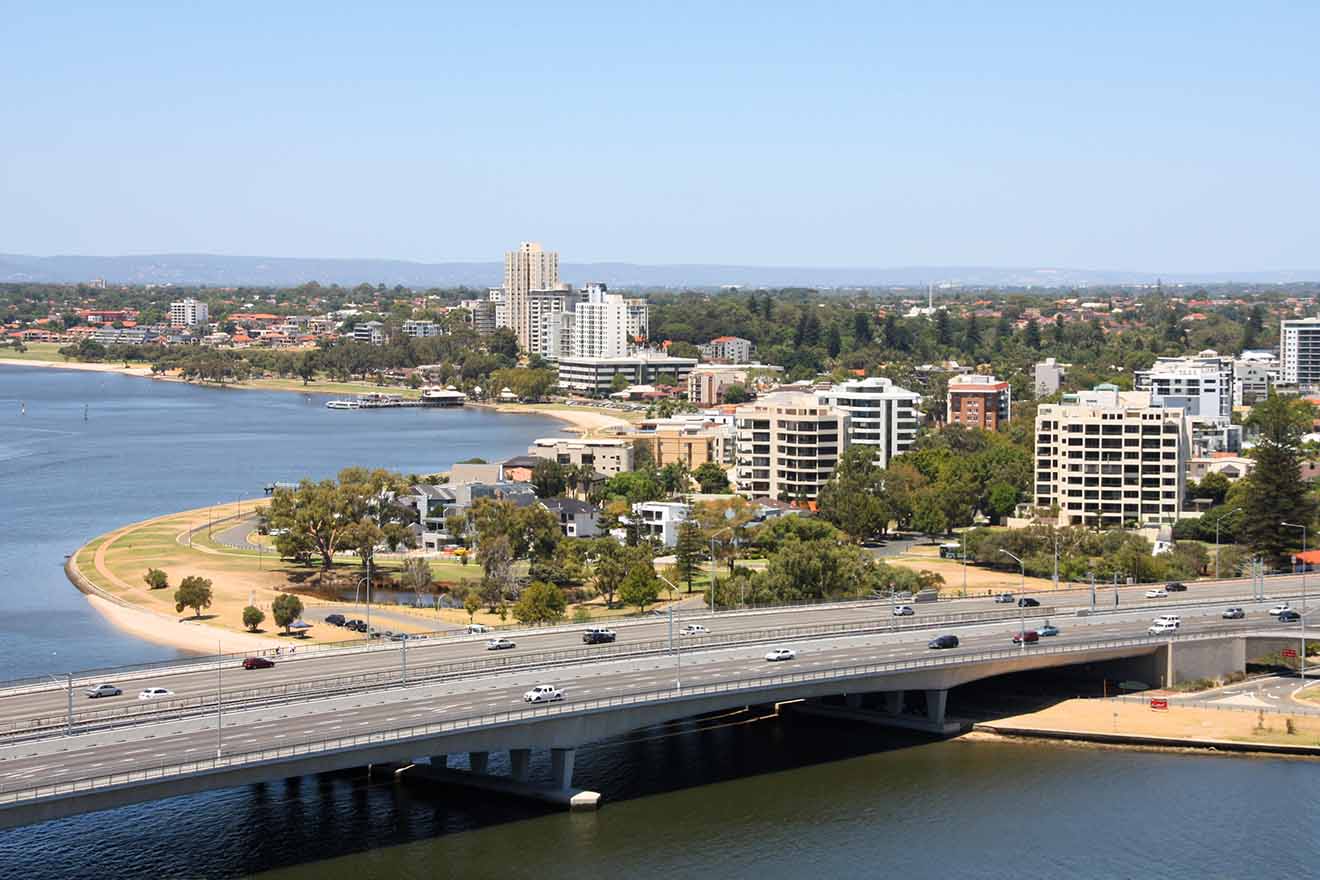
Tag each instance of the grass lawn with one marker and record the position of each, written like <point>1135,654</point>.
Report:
<point>36,351</point>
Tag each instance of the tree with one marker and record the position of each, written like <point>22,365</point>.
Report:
<point>688,550</point>
<point>193,592</point>
<point>496,558</point>
<point>852,498</point>
<point>736,394</point>
<point>712,478</point>
<point>333,515</point>
<point>1275,492</point>
<point>417,575</point>
<point>287,608</point>
<point>641,587</point>
<point>549,478</point>
<point>612,563</point>
<point>928,515</point>
<point>816,570</point>
<point>156,579</point>
<point>540,603</point>
<point>471,604</point>
<point>1214,486</point>
<point>252,617</point>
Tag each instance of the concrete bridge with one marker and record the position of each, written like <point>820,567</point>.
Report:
<point>65,776</point>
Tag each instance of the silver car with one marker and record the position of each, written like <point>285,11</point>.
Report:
<point>102,690</point>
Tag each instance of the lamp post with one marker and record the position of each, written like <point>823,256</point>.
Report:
<point>1303,621</point>
<point>1055,533</point>
<point>1217,524</point>
<point>68,683</point>
<point>962,536</point>
<point>1022,609</point>
<point>673,589</point>
<point>728,529</point>
<point>219,694</point>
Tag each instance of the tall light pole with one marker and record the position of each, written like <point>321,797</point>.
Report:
<point>728,529</point>
<point>219,694</point>
<point>1055,533</point>
<point>1303,528</point>
<point>963,537</point>
<point>1022,609</point>
<point>673,589</point>
<point>1217,524</point>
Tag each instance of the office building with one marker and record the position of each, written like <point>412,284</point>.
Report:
<point>527,269</point>
<point>188,313</point>
<point>1109,459</point>
<point>596,376</point>
<point>882,415</point>
<point>976,401</point>
<point>789,443</point>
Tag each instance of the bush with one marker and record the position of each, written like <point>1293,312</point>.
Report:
<point>156,579</point>
<point>252,617</point>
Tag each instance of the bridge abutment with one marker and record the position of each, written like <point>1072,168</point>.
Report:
<point>519,764</point>
<point>478,761</point>
<point>936,702</point>
<point>561,768</point>
<point>894,702</point>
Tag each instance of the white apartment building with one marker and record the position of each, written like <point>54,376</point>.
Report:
<point>639,320</point>
<point>1255,372</point>
<point>789,443</point>
<point>370,332</point>
<point>1109,458</point>
<point>1299,352</point>
<point>421,329</point>
<point>881,415</point>
<point>659,520</point>
<point>596,375</point>
<point>608,456</point>
<point>1049,376</point>
<point>1201,385</point>
<point>728,349</point>
<point>551,315</point>
<point>600,324</point>
<point>527,269</point>
<point>189,313</point>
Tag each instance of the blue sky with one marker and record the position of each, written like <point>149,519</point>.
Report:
<point>1173,136</point>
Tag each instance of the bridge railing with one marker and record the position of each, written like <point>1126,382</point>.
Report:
<point>17,796</point>
<point>244,697</point>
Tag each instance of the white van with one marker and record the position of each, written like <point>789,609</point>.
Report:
<point>1163,627</point>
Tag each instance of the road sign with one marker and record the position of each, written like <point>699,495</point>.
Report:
<point>1290,652</point>
<point>1157,703</point>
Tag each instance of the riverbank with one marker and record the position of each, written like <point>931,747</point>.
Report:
<point>1131,724</point>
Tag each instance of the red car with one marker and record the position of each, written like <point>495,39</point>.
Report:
<point>1029,636</point>
<point>257,663</point>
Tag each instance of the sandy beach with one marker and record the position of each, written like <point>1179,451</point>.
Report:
<point>143,371</point>
<point>162,629</point>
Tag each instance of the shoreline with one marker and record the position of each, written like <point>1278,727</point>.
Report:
<point>583,421</point>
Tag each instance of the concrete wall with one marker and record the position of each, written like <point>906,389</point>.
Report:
<point>1213,658</point>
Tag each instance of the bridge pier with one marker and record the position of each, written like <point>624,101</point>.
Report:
<point>439,760</point>
<point>519,761</point>
<point>853,701</point>
<point>894,702</point>
<point>561,768</point>
<point>478,761</point>
<point>936,700</point>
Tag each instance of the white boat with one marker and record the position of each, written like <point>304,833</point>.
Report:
<point>343,404</point>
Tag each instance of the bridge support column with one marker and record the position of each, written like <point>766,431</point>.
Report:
<point>853,701</point>
<point>439,760</point>
<point>477,761</point>
<point>561,768</point>
<point>935,703</point>
<point>894,702</point>
<point>519,759</point>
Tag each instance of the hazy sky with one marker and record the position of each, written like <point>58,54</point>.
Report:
<point>1158,136</point>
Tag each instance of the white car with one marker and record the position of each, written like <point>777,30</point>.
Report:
<point>155,694</point>
<point>1162,627</point>
<point>474,629</point>
<point>903,611</point>
<point>1158,593</point>
<point>1279,609</point>
<point>543,693</point>
<point>780,654</point>
<point>693,629</point>
<point>499,644</point>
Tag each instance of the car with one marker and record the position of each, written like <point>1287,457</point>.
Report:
<point>257,663</point>
<point>102,690</point>
<point>693,629</point>
<point>499,645</point>
<point>1028,602</point>
<point>1004,599</point>
<point>335,619</point>
<point>543,693</point>
<point>1048,629</point>
<point>1233,614</point>
<point>598,636</point>
<point>155,693</point>
<point>1171,619</point>
<point>1162,627</point>
<point>1289,616</point>
<point>1157,593</point>
<point>1278,609</point>
<point>780,654</point>
<point>943,642</point>
<point>476,629</point>
<point>903,611</point>
<point>1175,587</point>
<point>389,634</point>
<point>1027,637</point>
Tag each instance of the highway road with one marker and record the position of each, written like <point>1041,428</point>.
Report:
<point>382,664</point>
<point>148,745</point>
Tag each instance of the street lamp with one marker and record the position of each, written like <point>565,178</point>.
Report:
<point>728,529</point>
<point>1022,609</point>
<point>673,589</point>
<point>1217,524</point>
<point>1303,528</point>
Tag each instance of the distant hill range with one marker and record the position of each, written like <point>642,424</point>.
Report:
<point>228,271</point>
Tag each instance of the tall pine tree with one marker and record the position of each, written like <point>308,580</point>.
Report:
<point>1275,491</point>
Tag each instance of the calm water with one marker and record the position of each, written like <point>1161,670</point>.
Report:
<point>731,797</point>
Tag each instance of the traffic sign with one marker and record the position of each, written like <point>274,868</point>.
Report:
<point>1156,703</point>
<point>1290,652</point>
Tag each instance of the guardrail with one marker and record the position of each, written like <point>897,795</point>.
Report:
<point>586,707</point>
<point>246,698</point>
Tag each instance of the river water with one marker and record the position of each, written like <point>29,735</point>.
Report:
<point>737,796</point>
